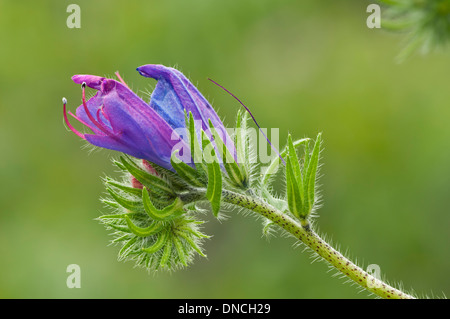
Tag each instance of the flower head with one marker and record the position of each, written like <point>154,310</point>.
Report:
<point>121,121</point>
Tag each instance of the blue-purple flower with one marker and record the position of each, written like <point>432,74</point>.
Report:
<point>121,121</point>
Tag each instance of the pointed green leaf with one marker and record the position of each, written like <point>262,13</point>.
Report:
<point>306,161</point>
<point>110,203</point>
<point>186,172</point>
<point>159,243</point>
<point>294,160</point>
<point>121,238</point>
<point>307,155</point>
<point>241,140</point>
<point>143,232</point>
<point>312,171</point>
<point>120,165</point>
<point>127,246</point>
<point>293,193</point>
<point>196,150</point>
<point>125,202</point>
<point>121,228</point>
<point>167,252</point>
<point>155,183</point>
<point>214,187</point>
<point>170,176</point>
<point>180,250</point>
<point>189,240</point>
<point>115,216</point>
<point>274,164</point>
<point>125,188</point>
<point>233,171</point>
<point>167,213</point>
<point>194,232</point>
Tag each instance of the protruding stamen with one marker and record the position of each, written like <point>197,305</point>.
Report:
<point>101,126</point>
<point>102,109</point>
<point>66,120</point>
<point>254,120</point>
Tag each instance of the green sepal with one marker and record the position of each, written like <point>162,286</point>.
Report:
<point>275,163</point>
<point>122,228</point>
<point>293,193</point>
<point>159,243</point>
<point>241,143</point>
<point>125,202</point>
<point>115,216</point>
<point>193,232</point>
<point>214,188</point>
<point>186,172</point>
<point>127,246</point>
<point>311,172</point>
<point>195,147</point>
<point>174,210</point>
<point>234,173</point>
<point>167,252</point>
<point>152,182</point>
<point>301,179</point>
<point>294,161</point>
<point>143,232</point>
<point>190,242</point>
<point>125,188</point>
<point>171,177</point>
<point>110,203</point>
<point>180,250</point>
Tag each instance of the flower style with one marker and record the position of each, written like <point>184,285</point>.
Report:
<point>121,121</point>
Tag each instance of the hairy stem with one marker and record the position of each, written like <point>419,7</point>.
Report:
<point>303,232</point>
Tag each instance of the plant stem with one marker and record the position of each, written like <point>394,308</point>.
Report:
<point>303,232</point>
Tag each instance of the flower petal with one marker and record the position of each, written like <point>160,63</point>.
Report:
<point>174,94</point>
<point>136,129</point>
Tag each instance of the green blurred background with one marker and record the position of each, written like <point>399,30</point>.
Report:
<point>302,66</point>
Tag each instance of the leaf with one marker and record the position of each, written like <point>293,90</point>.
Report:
<point>127,189</point>
<point>167,213</point>
<point>312,170</point>
<point>233,171</point>
<point>166,253</point>
<point>127,246</point>
<point>153,182</point>
<point>186,172</point>
<point>196,150</point>
<point>190,242</point>
<point>214,188</point>
<point>115,216</point>
<point>180,250</point>
<point>143,232</point>
<point>125,202</point>
<point>241,141</point>
<point>159,243</point>
<point>273,166</point>
<point>293,194</point>
<point>294,159</point>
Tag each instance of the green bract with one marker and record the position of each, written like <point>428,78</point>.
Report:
<point>301,179</point>
<point>156,220</point>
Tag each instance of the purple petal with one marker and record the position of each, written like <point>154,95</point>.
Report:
<point>134,127</point>
<point>174,94</point>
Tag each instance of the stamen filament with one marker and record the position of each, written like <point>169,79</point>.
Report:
<point>66,120</point>
<point>101,126</point>
<point>254,120</point>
